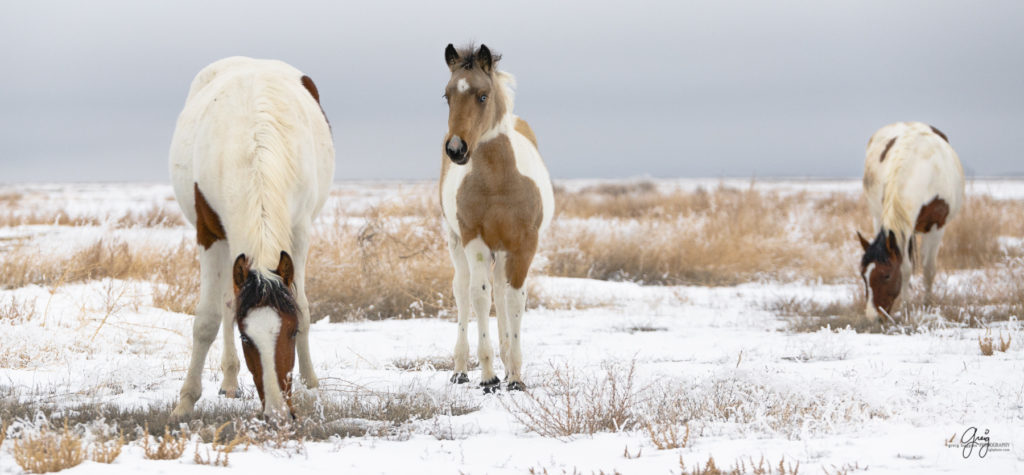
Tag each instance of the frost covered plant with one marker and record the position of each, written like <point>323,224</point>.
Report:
<point>106,451</point>
<point>221,450</point>
<point>47,450</point>
<point>168,447</point>
<point>988,346</point>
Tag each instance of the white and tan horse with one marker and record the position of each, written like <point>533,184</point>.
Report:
<point>251,162</point>
<point>914,185</point>
<point>497,198</point>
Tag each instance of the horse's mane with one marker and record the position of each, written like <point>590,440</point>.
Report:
<point>273,174</point>
<point>897,215</point>
<point>467,57</point>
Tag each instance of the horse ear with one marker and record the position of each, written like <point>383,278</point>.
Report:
<point>863,242</point>
<point>891,245</point>
<point>451,56</point>
<point>286,269</point>
<point>240,271</point>
<point>484,59</point>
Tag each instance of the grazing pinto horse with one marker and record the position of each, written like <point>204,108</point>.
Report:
<point>251,161</point>
<point>496,197</point>
<point>914,184</point>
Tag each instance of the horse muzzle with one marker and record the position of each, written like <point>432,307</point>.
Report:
<point>456,150</point>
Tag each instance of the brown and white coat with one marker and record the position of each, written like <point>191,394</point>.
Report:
<point>914,185</point>
<point>497,199</point>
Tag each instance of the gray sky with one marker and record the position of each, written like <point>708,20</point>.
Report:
<point>90,91</point>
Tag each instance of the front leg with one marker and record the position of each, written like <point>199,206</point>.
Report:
<point>229,358</point>
<point>479,257</point>
<point>460,288</point>
<point>300,240</point>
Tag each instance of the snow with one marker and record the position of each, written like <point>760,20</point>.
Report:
<point>887,403</point>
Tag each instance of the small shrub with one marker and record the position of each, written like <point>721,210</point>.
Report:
<point>169,446</point>
<point>48,451</point>
<point>17,311</point>
<point>988,346</point>
<point>106,451</point>
<point>666,436</point>
<point>221,450</point>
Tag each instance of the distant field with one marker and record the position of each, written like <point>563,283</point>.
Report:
<point>670,321</point>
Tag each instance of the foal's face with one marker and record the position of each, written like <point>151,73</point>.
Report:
<point>880,270</point>
<point>267,320</point>
<point>473,103</point>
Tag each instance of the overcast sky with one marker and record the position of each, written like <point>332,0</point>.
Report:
<point>90,91</point>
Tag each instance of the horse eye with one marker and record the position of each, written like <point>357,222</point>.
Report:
<point>245,340</point>
<point>483,98</point>
<point>294,333</point>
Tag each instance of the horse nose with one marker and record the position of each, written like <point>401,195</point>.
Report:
<point>456,150</point>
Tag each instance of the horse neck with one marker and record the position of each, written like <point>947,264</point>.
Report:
<point>897,216</point>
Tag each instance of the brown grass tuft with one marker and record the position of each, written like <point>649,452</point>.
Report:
<point>988,346</point>
<point>761,467</point>
<point>221,450</point>
<point>667,436</point>
<point>567,405</point>
<point>106,451</point>
<point>48,450</point>
<point>17,311</point>
<point>169,446</point>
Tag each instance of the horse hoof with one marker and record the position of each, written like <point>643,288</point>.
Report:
<point>230,394</point>
<point>491,385</point>
<point>459,378</point>
<point>516,386</point>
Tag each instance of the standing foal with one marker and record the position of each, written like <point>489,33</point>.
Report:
<point>914,184</point>
<point>496,197</point>
<point>251,162</point>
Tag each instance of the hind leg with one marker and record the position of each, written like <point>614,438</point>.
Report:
<point>517,268</point>
<point>214,265</point>
<point>460,287</point>
<point>929,254</point>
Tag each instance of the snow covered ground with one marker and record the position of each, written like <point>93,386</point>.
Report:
<point>885,403</point>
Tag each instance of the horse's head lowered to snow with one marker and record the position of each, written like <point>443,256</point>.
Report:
<point>267,318</point>
<point>476,100</point>
<point>881,270</point>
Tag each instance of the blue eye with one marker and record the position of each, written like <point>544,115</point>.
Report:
<point>483,98</point>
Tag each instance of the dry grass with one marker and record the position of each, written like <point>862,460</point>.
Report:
<point>568,404</point>
<point>3,433</point>
<point>667,436</point>
<point>741,467</point>
<point>17,311</point>
<point>169,446</point>
<point>432,363</point>
<point>48,450</point>
<point>386,268</point>
<point>988,345</point>
<point>106,451</point>
<point>222,448</point>
<point>971,240</point>
<point>719,237</point>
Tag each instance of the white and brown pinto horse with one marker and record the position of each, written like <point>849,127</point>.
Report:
<point>251,162</point>
<point>914,185</point>
<point>497,198</point>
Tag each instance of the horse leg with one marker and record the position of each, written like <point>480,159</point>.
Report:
<point>501,308</point>
<point>517,268</point>
<point>214,265</point>
<point>479,257</point>
<point>460,287</point>
<point>929,252</point>
<point>300,240</point>
<point>229,358</point>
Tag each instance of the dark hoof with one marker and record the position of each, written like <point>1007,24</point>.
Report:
<point>459,378</point>
<point>491,385</point>
<point>516,386</point>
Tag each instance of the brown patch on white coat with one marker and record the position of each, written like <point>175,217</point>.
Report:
<point>490,206</point>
